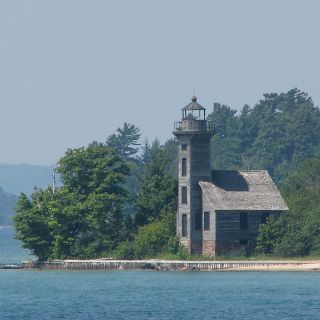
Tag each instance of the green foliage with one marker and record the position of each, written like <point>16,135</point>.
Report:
<point>32,223</point>
<point>126,141</point>
<point>152,239</point>
<point>226,143</point>
<point>296,233</point>
<point>158,189</point>
<point>171,147</point>
<point>125,251</point>
<point>182,253</point>
<point>277,134</point>
<point>269,233</point>
<point>156,237</point>
<point>84,217</point>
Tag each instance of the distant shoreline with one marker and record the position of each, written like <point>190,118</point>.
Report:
<point>5,227</point>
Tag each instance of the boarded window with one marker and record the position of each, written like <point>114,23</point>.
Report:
<point>243,220</point>
<point>184,147</point>
<point>183,167</point>
<point>184,230</point>
<point>198,221</point>
<point>184,195</point>
<point>264,217</point>
<point>206,220</point>
<point>243,242</point>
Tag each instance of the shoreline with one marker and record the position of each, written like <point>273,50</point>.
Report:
<point>174,265</point>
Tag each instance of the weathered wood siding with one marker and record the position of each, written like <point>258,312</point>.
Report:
<point>208,236</point>
<point>229,233</point>
<point>184,181</point>
<point>198,168</point>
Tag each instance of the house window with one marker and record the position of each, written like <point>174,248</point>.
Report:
<point>184,195</point>
<point>243,220</point>
<point>184,147</point>
<point>206,221</point>
<point>183,167</point>
<point>264,217</point>
<point>243,242</point>
<point>198,221</point>
<point>184,232</point>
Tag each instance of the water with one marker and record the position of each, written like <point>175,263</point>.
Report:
<point>33,294</point>
<point>11,251</point>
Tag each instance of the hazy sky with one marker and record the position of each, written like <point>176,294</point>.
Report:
<point>72,71</point>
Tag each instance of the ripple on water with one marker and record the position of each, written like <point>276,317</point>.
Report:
<point>81,295</point>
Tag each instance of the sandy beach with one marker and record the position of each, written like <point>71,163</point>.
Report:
<point>284,266</point>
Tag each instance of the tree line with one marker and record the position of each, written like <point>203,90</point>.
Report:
<point>119,198</point>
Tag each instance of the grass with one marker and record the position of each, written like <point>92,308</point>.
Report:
<point>169,256</point>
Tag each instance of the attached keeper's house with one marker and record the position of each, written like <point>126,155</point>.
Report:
<point>219,210</point>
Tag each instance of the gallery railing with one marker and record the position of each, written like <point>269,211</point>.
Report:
<point>193,125</point>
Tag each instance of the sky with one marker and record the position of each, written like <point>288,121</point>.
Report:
<point>72,71</point>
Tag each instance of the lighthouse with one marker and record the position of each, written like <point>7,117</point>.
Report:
<point>194,133</point>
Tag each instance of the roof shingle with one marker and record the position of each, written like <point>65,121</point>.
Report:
<point>242,190</point>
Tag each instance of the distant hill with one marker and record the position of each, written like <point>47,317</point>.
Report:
<point>15,179</point>
<point>7,204</point>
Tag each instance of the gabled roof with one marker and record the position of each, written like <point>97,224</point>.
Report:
<point>193,105</point>
<point>242,190</point>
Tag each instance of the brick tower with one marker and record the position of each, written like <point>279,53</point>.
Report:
<point>194,133</point>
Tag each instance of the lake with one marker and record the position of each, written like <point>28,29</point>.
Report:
<point>34,294</point>
<point>11,251</point>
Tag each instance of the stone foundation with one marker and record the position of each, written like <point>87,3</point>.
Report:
<point>209,247</point>
<point>206,247</point>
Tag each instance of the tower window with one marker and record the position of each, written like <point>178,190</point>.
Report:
<point>184,195</point>
<point>184,147</point>
<point>243,242</point>
<point>206,221</point>
<point>198,221</point>
<point>183,167</point>
<point>184,231</point>
<point>243,220</point>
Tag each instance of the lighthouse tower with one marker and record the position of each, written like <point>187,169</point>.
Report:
<point>194,133</point>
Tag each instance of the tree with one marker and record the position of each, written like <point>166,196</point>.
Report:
<point>152,239</point>
<point>32,223</point>
<point>156,237</point>
<point>296,233</point>
<point>126,141</point>
<point>158,190</point>
<point>277,134</point>
<point>84,217</point>
<point>171,147</point>
<point>226,142</point>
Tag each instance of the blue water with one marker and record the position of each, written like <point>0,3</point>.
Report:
<point>11,250</point>
<point>33,294</point>
<point>158,295</point>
